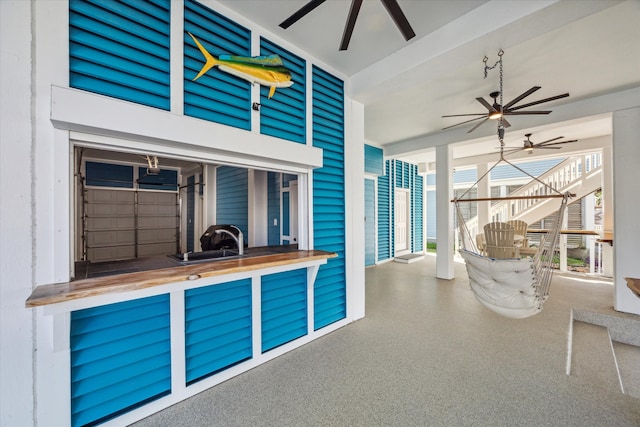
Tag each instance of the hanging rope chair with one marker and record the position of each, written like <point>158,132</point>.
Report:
<point>512,287</point>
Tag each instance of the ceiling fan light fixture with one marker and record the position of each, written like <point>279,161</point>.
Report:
<point>495,115</point>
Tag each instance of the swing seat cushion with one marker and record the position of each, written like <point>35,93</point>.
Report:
<point>506,286</point>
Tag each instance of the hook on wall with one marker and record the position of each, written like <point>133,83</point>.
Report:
<point>255,106</point>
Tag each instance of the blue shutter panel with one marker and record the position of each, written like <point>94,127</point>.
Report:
<point>373,162</point>
<point>284,307</point>
<point>216,96</point>
<point>232,190</point>
<point>121,49</point>
<point>384,218</point>
<point>369,225</point>
<point>283,116</point>
<point>328,197</point>
<point>217,328</point>
<point>120,358</point>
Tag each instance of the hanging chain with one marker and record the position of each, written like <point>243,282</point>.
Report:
<point>486,72</point>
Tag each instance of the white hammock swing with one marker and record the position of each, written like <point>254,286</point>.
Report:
<point>513,287</point>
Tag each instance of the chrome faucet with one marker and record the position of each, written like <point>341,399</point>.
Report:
<point>239,240</point>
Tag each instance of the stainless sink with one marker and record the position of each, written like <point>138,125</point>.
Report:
<point>205,256</point>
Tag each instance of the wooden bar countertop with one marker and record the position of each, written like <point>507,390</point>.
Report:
<point>61,292</point>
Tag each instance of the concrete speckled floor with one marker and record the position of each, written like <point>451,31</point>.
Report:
<point>426,354</point>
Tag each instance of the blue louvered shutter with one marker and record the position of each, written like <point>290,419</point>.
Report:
<point>369,223</point>
<point>232,197</point>
<point>217,328</point>
<point>398,174</point>
<point>392,167</point>
<point>328,197</point>
<point>373,162</point>
<point>384,218</point>
<point>121,49</point>
<point>120,358</point>
<point>216,96</point>
<point>284,307</point>
<point>283,116</point>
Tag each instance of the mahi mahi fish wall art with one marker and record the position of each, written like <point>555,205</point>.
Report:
<point>264,70</point>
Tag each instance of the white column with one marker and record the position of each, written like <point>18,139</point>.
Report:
<point>484,190</point>
<point>354,209</point>
<point>16,216</point>
<point>626,227</point>
<point>608,210</point>
<point>444,212</point>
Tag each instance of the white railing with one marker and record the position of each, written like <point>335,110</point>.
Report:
<point>568,175</point>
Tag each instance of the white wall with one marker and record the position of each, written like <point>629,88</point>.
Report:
<point>626,226</point>
<point>16,197</point>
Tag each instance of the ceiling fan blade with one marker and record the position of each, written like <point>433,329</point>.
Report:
<point>300,13</point>
<point>523,113</point>
<point>564,95</point>
<point>488,106</point>
<point>521,97</point>
<point>549,140</point>
<point>399,18</point>
<point>505,123</point>
<point>476,126</point>
<point>351,22</point>
<point>466,121</point>
<point>544,146</point>
<point>463,115</point>
<point>558,143</point>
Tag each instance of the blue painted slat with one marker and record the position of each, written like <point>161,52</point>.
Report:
<point>216,96</point>
<point>284,307</point>
<point>383,218</point>
<point>217,328</point>
<point>373,160</point>
<point>120,358</point>
<point>121,49</point>
<point>399,174</point>
<point>283,116</point>
<point>328,197</point>
<point>232,197</point>
<point>370,223</point>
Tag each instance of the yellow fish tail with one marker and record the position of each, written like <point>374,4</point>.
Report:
<point>211,61</point>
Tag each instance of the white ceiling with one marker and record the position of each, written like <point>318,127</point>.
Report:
<point>587,48</point>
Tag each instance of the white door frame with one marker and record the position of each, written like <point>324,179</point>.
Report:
<point>405,208</point>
